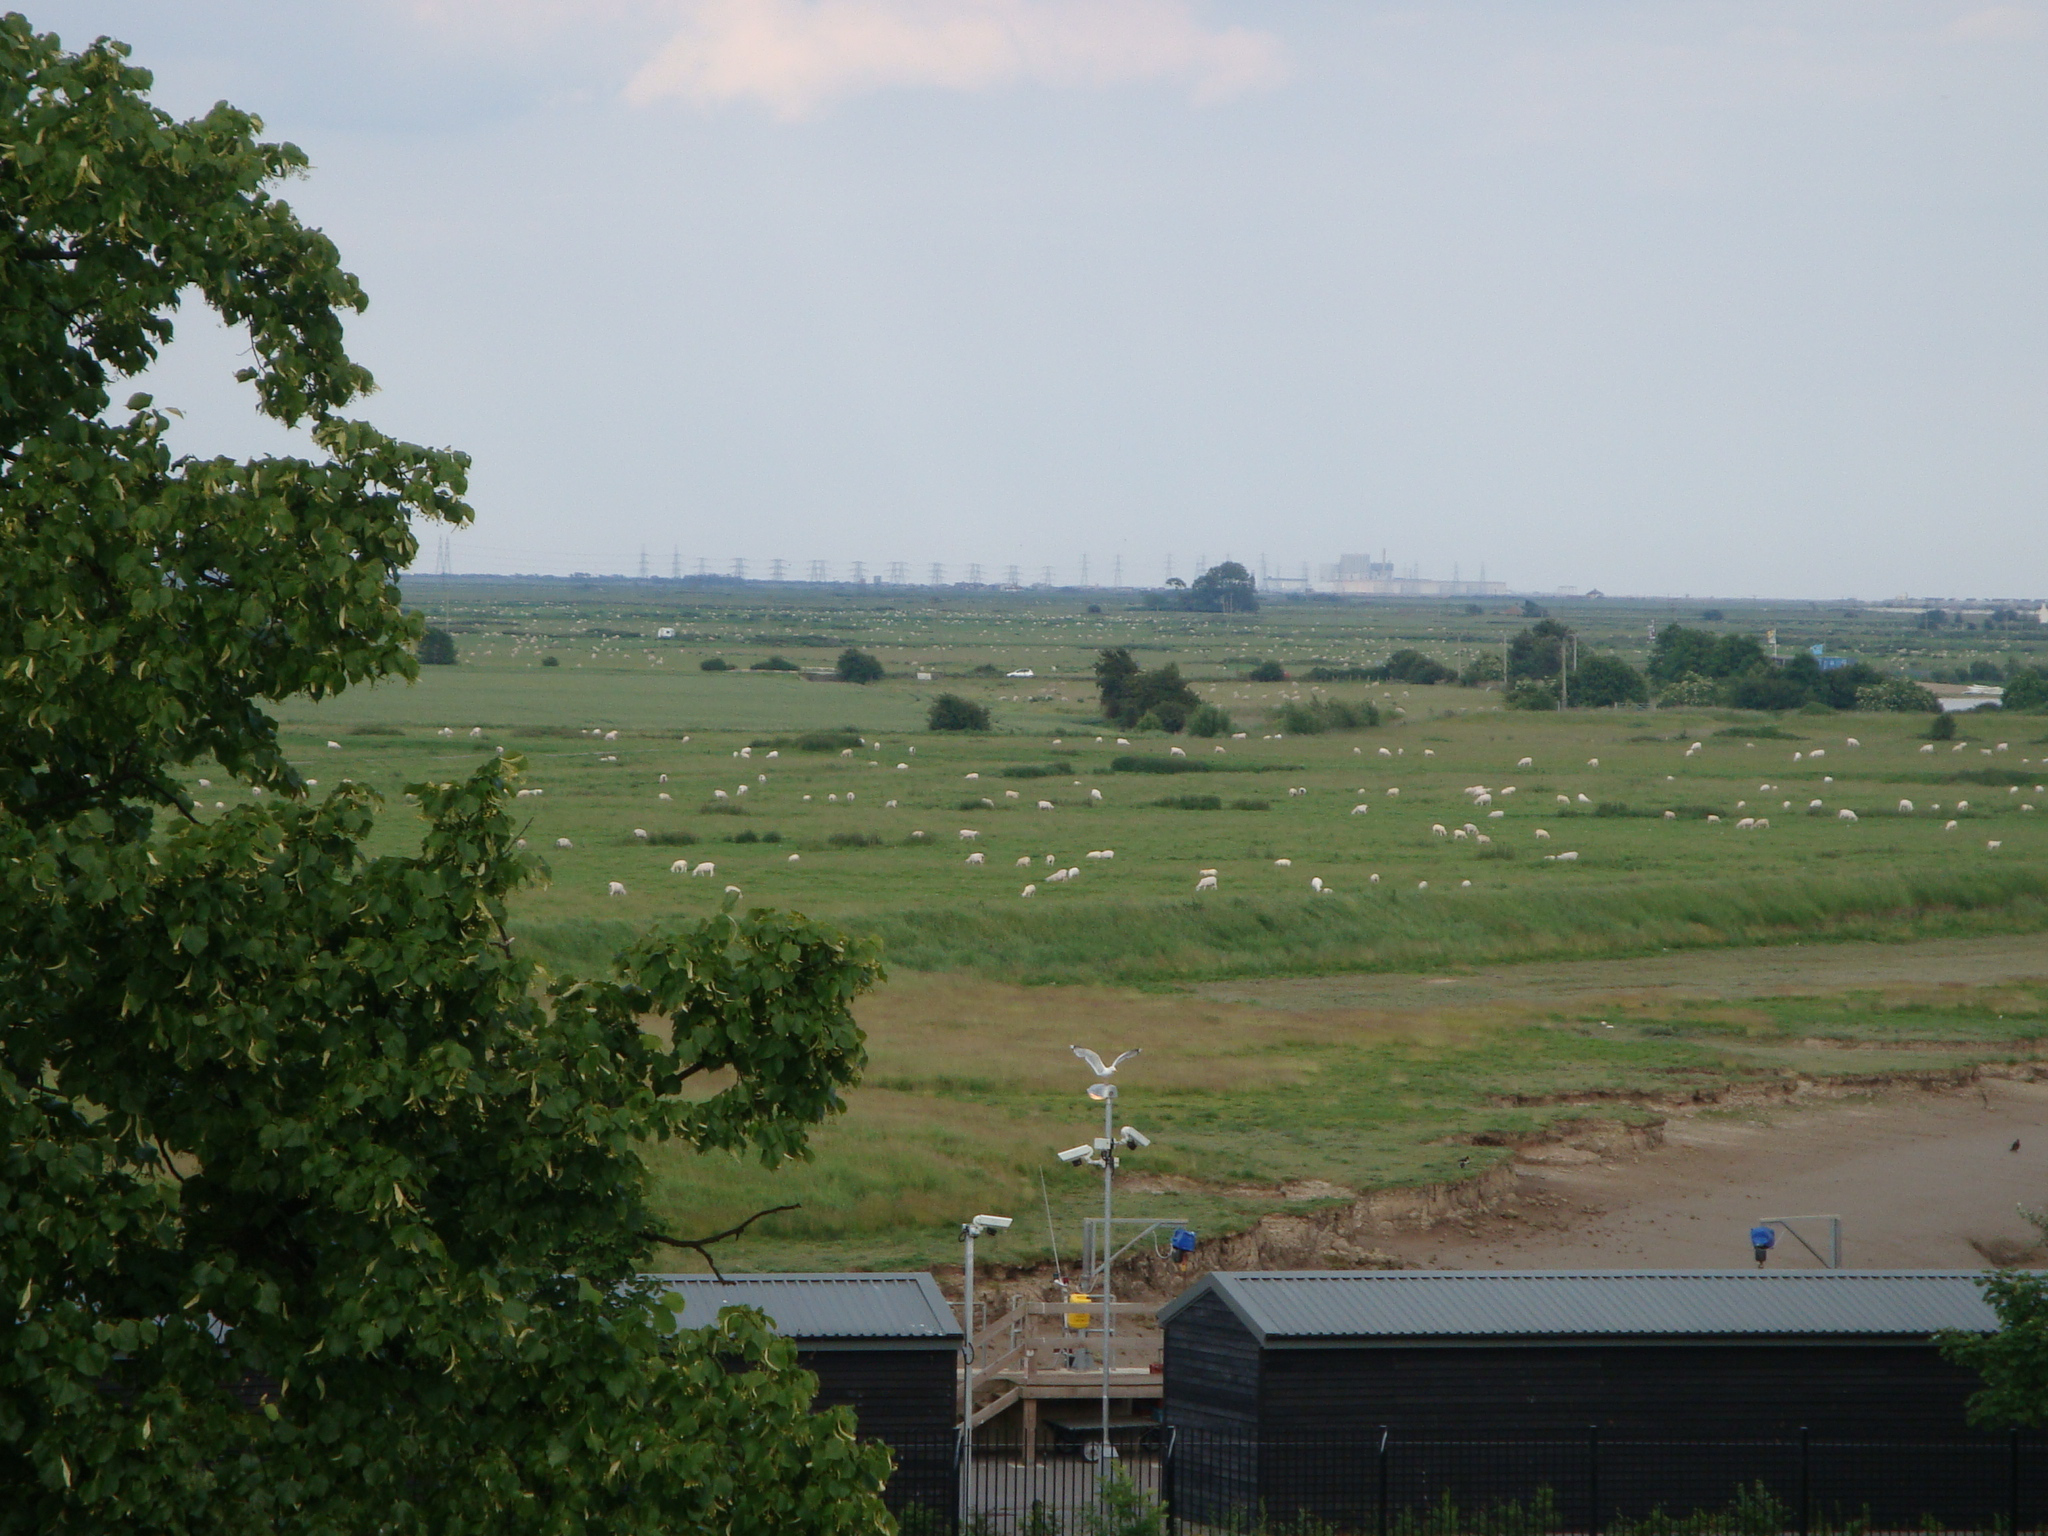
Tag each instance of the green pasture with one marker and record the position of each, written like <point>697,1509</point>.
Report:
<point>971,1086</point>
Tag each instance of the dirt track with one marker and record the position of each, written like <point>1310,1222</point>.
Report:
<point>1921,1180</point>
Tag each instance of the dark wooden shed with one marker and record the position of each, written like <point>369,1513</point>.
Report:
<point>1268,1360</point>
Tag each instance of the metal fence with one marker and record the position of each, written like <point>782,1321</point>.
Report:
<point>1571,1485</point>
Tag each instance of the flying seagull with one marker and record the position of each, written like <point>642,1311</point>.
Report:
<point>1095,1062</point>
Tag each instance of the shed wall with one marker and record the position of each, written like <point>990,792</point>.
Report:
<point>1211,1380</point>
<point>897,1394</point>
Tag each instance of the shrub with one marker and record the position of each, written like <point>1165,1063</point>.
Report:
<point>671,839</point>
<point>1483,668</point>
<point>1266,672</point>
<point>1758,733</point>
<point>1346,674</point>
<point>2027,689</point>
<point>1208,720</point>
<point>950,712</point>
<point>551,661</point>
<point>1095,607</point>
<point>775,664</point>
<point>1190,802</point>
<point>1057,769</point>
<point>841,740</point>
<point>714,664</point>
<point>722,808</point>
<point>854,840</point>
<point>1158,700</point>
<point>1251,805</point>
<point>1942,727</point>
<point>437,649</point>
<point>1605,681</point>
<point>986,669</point>
<point>1691,691</point>
<point>1320,715</point>
<point>856,666</point>
<point>1134,764</point>
<point>375,730</point>
<point>1712,615</point>
<point>1414,667</point>
<point>1529,695</point>
<point>1898,695</point>
<point>1497,851</point>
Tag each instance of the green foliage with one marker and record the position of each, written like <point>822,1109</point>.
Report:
<point>950,712</point>
<point>1410,666</point>
<point>1059,768</point>
<point>277,1109</point>
<point>751,836</point>
<point>1251,805</point>
<point>1191,802</point>
<point>1898,695</point>
<point>845,739</point>
<point>1315,716</point>
<point>1483,668</point>
<point>1267,672</point>
<point>1132,763</point>
<point>1604,681</point>
<point>714,664</point>
<point>1942,727</point>
<point>1225,588</point>
<point>1538,651</point>
<point>2026,688</point>
<point>437,648</point>
<point>1122,1508</point>
<point>1532,695</point>
<point>2013,1361</point>
<point>1209,720</point>
<point>775,664</point>
<point>1132,696</point>
<point>550,661</point>
<point>672,839</point>
<point>1690,691</point>
<point>1712,616</point>
<point>1531,609</point>
<point>857,666</point>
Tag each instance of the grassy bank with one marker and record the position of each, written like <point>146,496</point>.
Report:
<point>1141,942</point>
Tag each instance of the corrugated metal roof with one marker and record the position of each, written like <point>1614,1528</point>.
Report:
<point>1589,1304</point>
<point>907,1306</point>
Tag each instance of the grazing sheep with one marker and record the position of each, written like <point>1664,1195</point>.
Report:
<point>1470,828</point>
<point>1495,815</point>
<point>616,889</point>
<point>1852,741</point>
<point>1567,858</point>
<point>1045,805</point>
<point>1905,805</point>
<point>664,795</point>
<point>1525,762</point>
<point>1993,844</point>
<point>1439,829</point>
<point>1316,883</point>
<point>1464,885</point>
<point>1928,748</point>
<point>1422,885</point>
<point>1948,826</point>
<point>1458,833</point>
<point>1109,853</point>
<point>1394,792</point>
<point>1095,795</point>
<point>1585,799</point>
<point>1056,876</point>
<point>1671,815</point>
<point>796,858</point>
<point>1123,741</point>
<point>334,746</point>
<point>1175,752</point>
<point>608,735</point>
<point>988,802</point>
<point>1813,805</point>
<point>1048,858</point>
<point>1763,823</point>
<point>680,867</point>
<point>704,871</point>
<point>1509,790</point>
<point>977,858</point>
<point>1481,837</point>
<point>1385,753</point>
<point>903,765</point>
<point>1713,818</point>
<point>1361,810</point>
<point>1543,834</point>
<point>1746,823</point>
<point>968,834</point>
<point>732,890</point>
<point>1962,805</point>
<point>563,842</point>
<point>1564,799</point>
<point>719,794</point>
<point>1845,815</point>
<point>1024,861</point>
<point>1277,863</point>
<point>640,833</point>
<point>477,730</point>
<point>888,805</point>
<point>1482,800</point>
<point>1010,794</point>
<point>1818,752</point>
<point>1206,883</point>
<point>1592,762</point>
<point>1205,871</point>
<point>846,751</point>
<point>1372,880</point>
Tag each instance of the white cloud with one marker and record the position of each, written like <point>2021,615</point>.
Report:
<point>797,56</point>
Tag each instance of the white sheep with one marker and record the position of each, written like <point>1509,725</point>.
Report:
<point>1471,828</point>
<point>1495,815</point>
<point>1175,752</point>
<point>1029,890</point>
<point>976,858</point>
<point>1567,858</point>
<point>1206,883</point>
<point>1123,741</point>
<point>1438,829</point>
<point>1372,880</point>
<point>680,867</point>
<point>664,795</point>
<point>1592,762</point>
<point>1385,753</point>
<point>1948,826</point>
<point>1024,861</point>
<point>846,751</point>
<point>1205,871</point>
<point>1962,805</point>
<point>1277,863</point>
<point>1818,752</point>
<point>1458,834</point>
<point>1543,835</point>
<point>477,730</point>
<point>1564,799</point>
<point>796,858</point>
<point>1481,837</point>
<point>1045,805</point>
<point>563,842</point>
<point>719,794</point>
<point>1671,815</point>
<point>1048,858</point>
<point>1585,799</point>
<point>616,889</point>
<point>1713,818</point>
<point>704,871</point>
<point>1394,792</point>
<point>1361,810</point>
<point>1993,845</point>
<point>1746,823</point>
<point>1095,796</point>
<point>1482,800</point>
<point>1928,748</point>
<point>888,805</point>
<point>1010,794</point>
<point>1525,762</point>
<point>1845,815</point>
<point>732,890</point>
<point>1422,885</point>
<point>1905,805</point>
<point>1316,883</point>
<point>1763,823</point>
<point>1056,876</point>
<point>1852,741</point>
<point>904,767</point>
<point>968,834</point>
<point>334,746</point>
<point>1813,805</point>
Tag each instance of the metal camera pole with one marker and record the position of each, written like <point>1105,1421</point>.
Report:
<point>969,1231</point>
<point>1107,1093</point>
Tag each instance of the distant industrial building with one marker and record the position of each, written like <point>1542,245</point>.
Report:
<point>1363,576</point>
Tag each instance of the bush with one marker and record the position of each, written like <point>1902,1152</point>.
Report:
<point>1059,768</point>
<point>1942,727</point>
<point>1483,668</point>
<point>1266,672</point>
<point>1712,615</point>
<point>1527,695</point>
<point>1095,607</point>
<point>437,649</point>
<point>775,664</point>
<point>671,839</point>
<point>2027,690</point>
<point>1251,805</point>
<point>846,738</point>
<point>714,664</point>
<point>1159,700</point>
<point>1690,692</point>
<point>375,730</point>
<point>1414,667</point>
<point>986,669</point>
<point>1497,851</point>
<point>1191,803</point>
<point>854,840</point>
<point>1320,715</point>
<point>1208,721</point>
<point>722,808</point>
<point>1765,692</point>
<point>751,836</point>
<point>551,661</point>
<point>950,712</point>
<point>858,667</point>
<point>1603,682</point>
<point>1897,695</point>
<point>1346,674</point>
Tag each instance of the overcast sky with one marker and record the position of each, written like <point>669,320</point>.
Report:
<point>1669,297</point>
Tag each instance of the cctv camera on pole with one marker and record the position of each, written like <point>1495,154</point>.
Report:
<point>981,1226</point>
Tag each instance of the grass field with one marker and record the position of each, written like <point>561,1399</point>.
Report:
<point>971,1084</point>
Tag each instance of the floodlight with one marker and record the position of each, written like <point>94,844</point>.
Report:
<point>1102,1093</point>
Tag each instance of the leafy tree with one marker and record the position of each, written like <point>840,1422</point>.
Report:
<point>1538,651</point>
<point>1531,609</point>
<point>1603,681</point>
<point>1267,672</point>
<point>2014,1360</point>
<point>437,648</point>
<point>1134,698</point>
<point>1898,694</point>
<point>1680,652</point>
<point>1483,668</point>
<point>1532,694</point>
<point>1316,716</point>
<point>856,666</point>
<point>1765,690</point>
<point>1225,588</point>
<point>551,661</point>
<point>1209,720</point>
<point>714,664</point>
<point>775,664</point>
<point>1712,615</point>
<point>1409,666</point>
<point>320,1208</point>
<point>1735,655</point>
<point>1942,727</point>
<point>1689,692</point>
<point>2026,689</point>
<point>950,712</point>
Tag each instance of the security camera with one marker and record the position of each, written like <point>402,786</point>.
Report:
<point>1133,1137</point>
<point>992,1223</point>
<point>1079,1154</point>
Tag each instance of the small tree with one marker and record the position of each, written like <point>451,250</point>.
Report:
<point>1208,720</point>
<point>437,649</point>
<point>1225,588</point>
<point>858,667</point>
<point>950,712</point>
<point>1267,672</point>
<point>1604,681</point>
<point>2014,1360</point>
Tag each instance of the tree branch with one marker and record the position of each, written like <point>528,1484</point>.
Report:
<point>702,1245</point>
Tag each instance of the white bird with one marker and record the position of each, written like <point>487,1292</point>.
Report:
<point>1095,1062</point>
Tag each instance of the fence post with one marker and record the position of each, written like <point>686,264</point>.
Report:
<point>2012,1487</point>
<point>1380,1515</point>
<point>1805,1479</point>
<point>1166,1470</point>
<point>1593,1479</point>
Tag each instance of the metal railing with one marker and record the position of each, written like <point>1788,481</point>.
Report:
<point>1583,1484</point>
